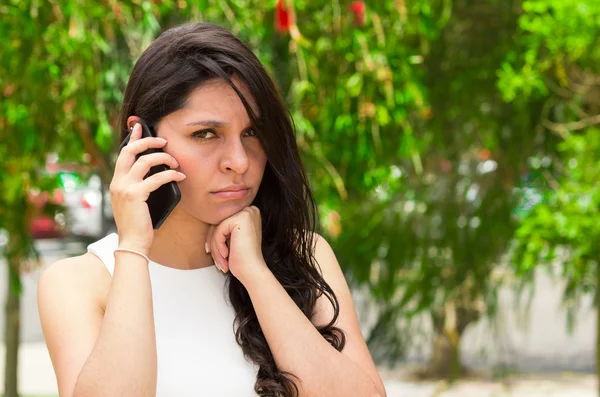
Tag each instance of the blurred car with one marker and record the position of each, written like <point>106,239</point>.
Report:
<point>89,213</point>
<point>43,225</point>
<point>85,212</point>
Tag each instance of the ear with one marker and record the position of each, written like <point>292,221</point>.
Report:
<point>131,120</point>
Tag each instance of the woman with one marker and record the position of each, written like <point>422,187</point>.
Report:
<point>146,312</point>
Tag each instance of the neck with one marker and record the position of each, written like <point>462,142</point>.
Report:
<point>179,242</point>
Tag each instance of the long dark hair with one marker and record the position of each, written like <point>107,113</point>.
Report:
<point>177,62</point>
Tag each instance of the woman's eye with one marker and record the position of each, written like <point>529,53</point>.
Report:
<point>251,132</point>
<point>204,134</point>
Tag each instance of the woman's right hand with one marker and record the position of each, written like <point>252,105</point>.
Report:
<point>129,190</point>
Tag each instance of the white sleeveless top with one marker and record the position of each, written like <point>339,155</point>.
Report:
<point>196,348</point>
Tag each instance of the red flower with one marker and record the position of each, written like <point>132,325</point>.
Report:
<point>484,154</point>
<point>283,18</point>
<point>358,9</point>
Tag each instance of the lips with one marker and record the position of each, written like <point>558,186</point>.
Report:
<point>232,192</point>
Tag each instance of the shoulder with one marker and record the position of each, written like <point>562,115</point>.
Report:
<point>326,259</point>
<point>84,275</point>
<point>75,270</point>
<point>333,275</point>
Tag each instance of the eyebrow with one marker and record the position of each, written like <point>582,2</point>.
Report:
<point>209,123</point>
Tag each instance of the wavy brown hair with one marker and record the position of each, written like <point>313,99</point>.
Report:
<point>177,62</point>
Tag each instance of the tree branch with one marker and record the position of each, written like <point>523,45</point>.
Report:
<point>563,129</point>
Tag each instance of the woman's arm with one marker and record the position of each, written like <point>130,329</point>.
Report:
<point>95,353</point>
<point>299,348</point>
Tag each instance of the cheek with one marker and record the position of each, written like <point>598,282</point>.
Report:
<point>198,171</point>
<point>190,159</point>
<point>197,167</point>
<point>258,156</point>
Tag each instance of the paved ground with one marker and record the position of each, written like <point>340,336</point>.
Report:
<point>524,385</point>
<point>37,378</point>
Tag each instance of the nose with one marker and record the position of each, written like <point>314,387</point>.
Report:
<point>234,158</point>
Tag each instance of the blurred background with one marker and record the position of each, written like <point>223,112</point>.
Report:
<point>452,145</point>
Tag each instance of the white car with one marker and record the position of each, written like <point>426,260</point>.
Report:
<point>87,217</point>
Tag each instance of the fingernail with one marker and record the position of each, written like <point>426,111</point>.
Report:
<point>182,174</point>
<point>206,248</point>
<point>218,267</point>
<point>160,139</point>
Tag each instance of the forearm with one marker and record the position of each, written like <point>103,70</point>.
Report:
<point>123,361</point>
<point>299,348</point>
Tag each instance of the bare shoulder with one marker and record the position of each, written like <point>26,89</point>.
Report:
<point>83,274</point>
<point>328,263</point>
<point>323,250</point>
<point>71,295</point>
<point>333,276</point>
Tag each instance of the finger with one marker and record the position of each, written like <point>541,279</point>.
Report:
<point>253,211</point>
<point>127,156</point>
<point>208,244</point>
<point>258,217</point>
<point>255,218</point>
<point>217,265</point>
<point>257,211</point>
<point>155,181</point>
<point>208,239</point>
<point>136,133</point>
<point>218,253</point>
<point>220,262</point>
<point>222,234</point>
<point>141,167</point>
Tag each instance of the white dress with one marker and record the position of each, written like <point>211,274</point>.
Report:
<point>196,348</point>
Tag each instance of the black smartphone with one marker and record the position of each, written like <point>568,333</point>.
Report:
<point>164,199</point>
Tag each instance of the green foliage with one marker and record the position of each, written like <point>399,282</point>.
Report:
<point>554,36</point>
<point>417,127</point>
<point>564,227</point>
<point>557,61</point>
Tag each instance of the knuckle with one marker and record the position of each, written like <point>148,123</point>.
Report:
<point>129,194</point>
<point>128,148</point>
<point>114,188</point>
<point>144,161</point>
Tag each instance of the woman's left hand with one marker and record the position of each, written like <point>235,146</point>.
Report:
<point>236,244</point>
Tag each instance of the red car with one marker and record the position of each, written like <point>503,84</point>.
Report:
<point>45,226</point>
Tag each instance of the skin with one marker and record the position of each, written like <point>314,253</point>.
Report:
<point>226,155</point>
<point>81,307</point>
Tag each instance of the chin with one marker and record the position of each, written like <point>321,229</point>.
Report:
<point>220,212</point>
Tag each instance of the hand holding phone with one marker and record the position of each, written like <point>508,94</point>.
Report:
<point>144,188</point>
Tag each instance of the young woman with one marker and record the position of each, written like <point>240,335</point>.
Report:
<point>235,294</point>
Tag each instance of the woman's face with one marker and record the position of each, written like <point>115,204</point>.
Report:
<point>217,149</point>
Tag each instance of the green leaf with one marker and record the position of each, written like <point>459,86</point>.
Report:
<point>354,84</point>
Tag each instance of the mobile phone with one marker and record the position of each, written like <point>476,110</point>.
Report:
<point>164,199</point>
